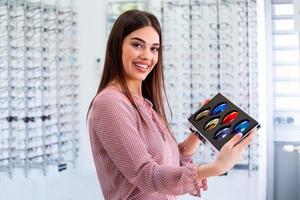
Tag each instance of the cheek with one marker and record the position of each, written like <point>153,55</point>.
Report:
<point>126,59</point>
<point>129,55</point>
<point>155,60</point>
<point>125,51</point>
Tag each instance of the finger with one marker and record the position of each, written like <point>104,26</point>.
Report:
<point>202,103</point>
<point>235,139</point>
<point>247,140</point>
<point>254,130</point>
<point>206,101</point>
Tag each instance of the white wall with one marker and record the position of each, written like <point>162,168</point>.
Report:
<point>81,183</point>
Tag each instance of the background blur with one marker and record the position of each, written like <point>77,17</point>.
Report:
<point>51,58</point>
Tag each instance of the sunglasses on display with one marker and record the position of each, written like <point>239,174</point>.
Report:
<point>219,120</point>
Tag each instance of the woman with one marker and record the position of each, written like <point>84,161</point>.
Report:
<point>135,154</point>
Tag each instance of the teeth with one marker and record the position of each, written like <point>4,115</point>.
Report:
<point>141,65</point>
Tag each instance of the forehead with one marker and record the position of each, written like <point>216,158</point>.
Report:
<point>148,34</point>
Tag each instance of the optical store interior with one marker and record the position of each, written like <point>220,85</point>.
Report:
<point>52,54</point>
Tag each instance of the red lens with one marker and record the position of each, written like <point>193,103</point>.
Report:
<point>230,117</point>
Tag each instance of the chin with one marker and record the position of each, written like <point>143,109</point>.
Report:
<point>141,78</point>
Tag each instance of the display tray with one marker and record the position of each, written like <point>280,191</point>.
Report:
<point>219,120</point>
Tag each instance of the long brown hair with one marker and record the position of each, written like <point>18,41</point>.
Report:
<point>153,86</point>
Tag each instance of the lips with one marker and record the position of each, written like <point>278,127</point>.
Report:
<point>141,65</point>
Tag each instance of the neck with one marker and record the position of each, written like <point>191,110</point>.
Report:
<point>135,87</point>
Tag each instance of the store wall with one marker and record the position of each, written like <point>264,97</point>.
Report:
<point>81,183</point>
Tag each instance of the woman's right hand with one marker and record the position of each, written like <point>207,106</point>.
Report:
<point>231,153</point>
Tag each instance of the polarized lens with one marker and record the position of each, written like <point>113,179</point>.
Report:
<point>211,124</point>
<point>241,127</point>
<point>219,108</point>
<point>230,117</point>
<point>222,134</point>
<point>201,115</point>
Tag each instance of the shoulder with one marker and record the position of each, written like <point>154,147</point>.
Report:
<point>112,107</point>
<point>111,99</point>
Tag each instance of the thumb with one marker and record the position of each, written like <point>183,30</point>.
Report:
<point>235,139</point>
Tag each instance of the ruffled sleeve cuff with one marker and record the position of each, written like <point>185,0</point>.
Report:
<point>197,185</point>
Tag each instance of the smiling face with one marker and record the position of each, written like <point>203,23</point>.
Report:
<point>140,54</point>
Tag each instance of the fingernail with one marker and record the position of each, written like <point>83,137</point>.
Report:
<point>240,134</point>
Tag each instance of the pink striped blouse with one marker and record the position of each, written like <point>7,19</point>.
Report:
<point>134,160</point>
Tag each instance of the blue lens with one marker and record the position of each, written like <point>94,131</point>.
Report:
<point>222,134</point>
<point>219,108</point>
<point>241,127</point>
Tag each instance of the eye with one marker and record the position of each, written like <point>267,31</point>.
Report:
<point>155,49</point>
<point>136,45</point>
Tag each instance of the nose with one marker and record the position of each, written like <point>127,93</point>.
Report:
<point>146,54</point>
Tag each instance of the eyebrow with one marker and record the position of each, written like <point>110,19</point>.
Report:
<point>141,40</point>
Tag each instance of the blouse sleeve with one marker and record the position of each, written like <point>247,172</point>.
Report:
<point>114,121</point>
<point>187,160</point>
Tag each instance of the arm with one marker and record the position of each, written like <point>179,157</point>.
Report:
<point>187,148</point>
<point>229,155</point>
<point>189,145</point>
<point>115,124</point>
